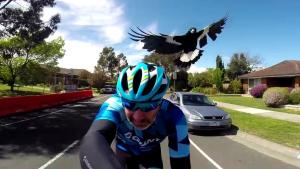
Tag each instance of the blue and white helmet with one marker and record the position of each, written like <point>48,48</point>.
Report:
<point>143,82</point>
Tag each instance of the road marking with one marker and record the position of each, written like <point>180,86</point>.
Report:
<point>59,155</point>
<point>8,124</point>
<point>206,156</point>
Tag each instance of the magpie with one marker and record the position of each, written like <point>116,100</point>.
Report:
<point>185,45</point>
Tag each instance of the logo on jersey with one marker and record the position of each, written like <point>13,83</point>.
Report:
<point>138,140</point>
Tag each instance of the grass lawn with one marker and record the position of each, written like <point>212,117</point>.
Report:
<point>251,102</point>
<point>279,131</point>
<point>22,91</point>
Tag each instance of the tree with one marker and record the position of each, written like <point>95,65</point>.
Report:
<point>23,35</point>
<point>122,61</point>
<point>217,78</point>
<point>34,74</point>
<point>239,64</point>
<point>86,78</point>
<point>27,23</point>
<point>203,79</point>
<point>4,3</point>
<point>109,63</point>
<point>220,65</point>
<point>164,60</point>
<point>98,79</point>
<point>15,57</point>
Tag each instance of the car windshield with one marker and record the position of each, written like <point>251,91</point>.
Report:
<point>196,100</point>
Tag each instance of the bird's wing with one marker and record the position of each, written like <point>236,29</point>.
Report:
<point>212,31</point>
<point>163,44</point>
<point>186,59</point>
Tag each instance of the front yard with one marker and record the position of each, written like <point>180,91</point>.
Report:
<point>251,102</point>
<point>279,131</point>
<point>22,90</point>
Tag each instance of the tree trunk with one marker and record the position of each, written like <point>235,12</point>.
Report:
<point>12,83</point>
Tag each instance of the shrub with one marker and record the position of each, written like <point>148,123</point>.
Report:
<point>57,88</point>
<point>258,90</point>
<point>295,96</point>
<point>276,96</point>
<point>207,90</point>
<point>235,86</point>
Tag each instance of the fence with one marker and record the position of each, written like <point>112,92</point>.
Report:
<point>19,104</point>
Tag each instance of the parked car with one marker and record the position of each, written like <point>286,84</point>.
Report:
<point>108,89</point>
<point>201,113</point>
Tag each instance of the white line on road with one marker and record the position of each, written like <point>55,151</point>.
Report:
<point>206,156</point>
<point>8,124</point>
<point>59,155</point>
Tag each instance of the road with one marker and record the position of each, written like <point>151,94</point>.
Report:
<point>51,138</point>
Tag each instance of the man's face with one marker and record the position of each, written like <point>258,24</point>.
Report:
<point>141,120</point>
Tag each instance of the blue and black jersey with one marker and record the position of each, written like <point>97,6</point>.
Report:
<point>170,122</point>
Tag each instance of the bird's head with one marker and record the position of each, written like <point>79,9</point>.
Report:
<point>192,30</point>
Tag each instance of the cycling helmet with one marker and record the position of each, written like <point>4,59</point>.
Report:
<point>142,83</point>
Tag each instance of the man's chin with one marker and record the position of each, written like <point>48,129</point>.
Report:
<point>142,126</point>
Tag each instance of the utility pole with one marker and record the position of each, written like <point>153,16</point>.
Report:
<point>174,78</point>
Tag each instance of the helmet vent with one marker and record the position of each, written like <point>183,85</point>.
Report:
<point>161,89</point>
<point>125,82</point>
<point>137,80</point>
<point>151,68</point>
<point>149,86</point>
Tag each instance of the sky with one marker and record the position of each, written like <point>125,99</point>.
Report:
<point>267,29</point>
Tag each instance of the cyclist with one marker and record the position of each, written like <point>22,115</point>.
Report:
<point>138,118</point>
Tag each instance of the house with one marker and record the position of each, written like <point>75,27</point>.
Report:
<point>69,78</point>
<point>283,74</point>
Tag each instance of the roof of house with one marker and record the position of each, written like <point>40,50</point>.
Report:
<point>282,69</point>
<point>71,71</point>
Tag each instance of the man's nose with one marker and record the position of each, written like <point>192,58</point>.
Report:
<point>139,115</point>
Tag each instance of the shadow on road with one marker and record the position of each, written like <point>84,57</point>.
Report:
<point>232,131</point>
<point>49,134</point>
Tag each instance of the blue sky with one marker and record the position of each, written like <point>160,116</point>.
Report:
<point>268,29</point>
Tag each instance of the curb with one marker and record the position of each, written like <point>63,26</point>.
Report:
<point>277,151</point>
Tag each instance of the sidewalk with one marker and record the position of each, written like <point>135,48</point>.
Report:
<point>261,112</point>
<point>280,152</point>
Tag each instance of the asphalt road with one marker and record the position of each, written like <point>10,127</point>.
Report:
<point>50,139</point>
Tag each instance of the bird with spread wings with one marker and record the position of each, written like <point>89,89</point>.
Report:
<point>186,45</point>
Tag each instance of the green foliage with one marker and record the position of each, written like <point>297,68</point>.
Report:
<point>217,79</point>
<point>295,96</point>
<point>34,74</point>
<point>205,90</point>
<point>276,96</point>
<point>235,86</point>
<point>98,79</point>
<point>57,88</point>
<point>109,63</point>
<point>238,65</point>
<point>15,57</point>
<point>27,23</point>
<point>204,79</point>
<point>220,65</point>
<point>164,60</point>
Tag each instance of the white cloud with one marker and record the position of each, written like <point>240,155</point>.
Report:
<point>195,69</point>
<point>136,45</point>
<point>135,58</point>
<point>86,27</point>
<point>80,55</point>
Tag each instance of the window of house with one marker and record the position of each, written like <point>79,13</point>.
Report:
<point>254,82</point>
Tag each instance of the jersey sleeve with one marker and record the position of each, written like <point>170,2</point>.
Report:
<point>179,145</point>
<point>111,110</point>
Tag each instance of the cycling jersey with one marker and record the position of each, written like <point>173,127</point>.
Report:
<point>169,121</point>
<point>111,119</point>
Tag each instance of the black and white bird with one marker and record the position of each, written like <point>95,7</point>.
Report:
<point>185,45</point>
